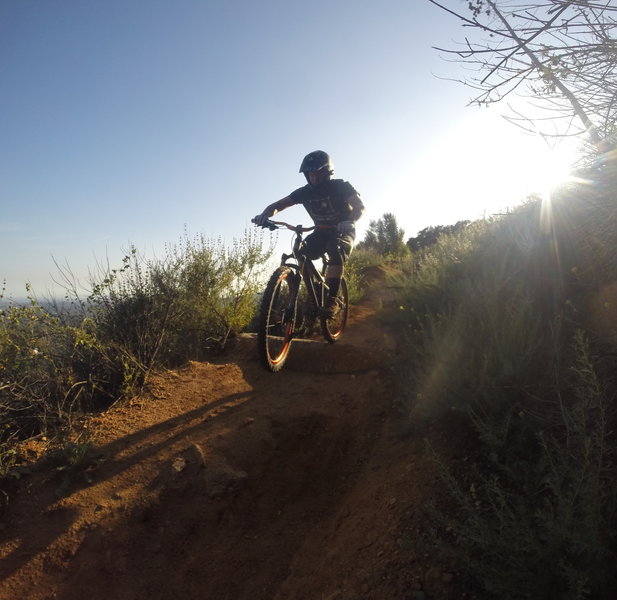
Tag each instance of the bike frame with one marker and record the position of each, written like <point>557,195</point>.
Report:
<point>289,315</point>
<point>304,267</point>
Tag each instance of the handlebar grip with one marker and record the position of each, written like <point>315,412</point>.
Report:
<point>266,225</point>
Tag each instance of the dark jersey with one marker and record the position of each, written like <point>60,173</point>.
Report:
<point>327,204</point>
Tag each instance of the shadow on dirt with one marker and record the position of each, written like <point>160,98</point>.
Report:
<point>44,486</point>
<point>230,482</point>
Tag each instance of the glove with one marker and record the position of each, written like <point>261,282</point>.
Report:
<point>261,220</point>
<point>346,228</point>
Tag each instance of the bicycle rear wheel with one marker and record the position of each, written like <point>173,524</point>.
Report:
<point>332,329</point>
<point>277,318</point>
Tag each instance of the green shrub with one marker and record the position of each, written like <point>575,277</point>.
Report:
<point>355,268</point>
<point>476,325</point>
<point>57,364</point>
<point>490,315</point>
<point>540,524</point>
<point>49,371</point>
<point>185,305</point>
<point>219,290</point>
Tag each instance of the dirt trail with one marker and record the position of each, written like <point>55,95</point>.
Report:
<point>228,482</point>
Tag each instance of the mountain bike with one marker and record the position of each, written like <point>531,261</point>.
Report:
<point>290,309</point>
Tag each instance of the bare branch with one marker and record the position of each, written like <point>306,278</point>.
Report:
<point>561,53</point>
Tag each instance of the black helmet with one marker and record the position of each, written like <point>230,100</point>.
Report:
<point>316,161</point>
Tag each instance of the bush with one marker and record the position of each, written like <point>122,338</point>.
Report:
<point>490,316</point>
<point>355,268</point>
<point>476,325</point>
<point>56,365</point>
<point>541,524</point>
<point>185,305</point>
<point>50,371</point>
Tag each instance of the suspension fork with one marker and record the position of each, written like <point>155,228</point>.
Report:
<point>311,276</point>
<point>291,309</point>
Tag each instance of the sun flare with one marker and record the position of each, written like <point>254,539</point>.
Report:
<point>482,167</point>
<point>552,170</point>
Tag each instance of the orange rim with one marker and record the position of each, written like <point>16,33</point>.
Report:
<point>282,353</point>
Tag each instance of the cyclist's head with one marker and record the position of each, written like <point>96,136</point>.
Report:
<point>317,167</point>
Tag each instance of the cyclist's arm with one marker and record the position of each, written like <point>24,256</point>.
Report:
<point>278,206</point>
<point>356,207</point>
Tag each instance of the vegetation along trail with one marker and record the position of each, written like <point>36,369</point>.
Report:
<point>226,481</point>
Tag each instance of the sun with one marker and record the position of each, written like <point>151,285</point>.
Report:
<point>549,169</point>
<point>481,167</point>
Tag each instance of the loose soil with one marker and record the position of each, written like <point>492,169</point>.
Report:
<point>225,481</point>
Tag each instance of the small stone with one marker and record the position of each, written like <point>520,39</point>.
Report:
<point>179,465</point>
<point>447,578</point>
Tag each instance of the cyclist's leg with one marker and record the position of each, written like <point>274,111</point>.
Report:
<point>314,245</point>
<point>338,249</point>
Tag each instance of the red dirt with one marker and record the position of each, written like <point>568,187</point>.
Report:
<point>225,481</point>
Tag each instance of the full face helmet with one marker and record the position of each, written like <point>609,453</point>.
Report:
<point>318,162</point>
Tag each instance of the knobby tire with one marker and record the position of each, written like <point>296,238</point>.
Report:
<point>332,329</point>
<point>277,318</point>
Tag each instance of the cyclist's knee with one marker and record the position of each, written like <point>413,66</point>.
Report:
<point>345,247</point>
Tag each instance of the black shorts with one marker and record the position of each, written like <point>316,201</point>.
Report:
<point>328,241</point>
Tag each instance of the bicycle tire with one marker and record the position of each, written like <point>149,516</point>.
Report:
<point>277,319</point>
<point>332,329</point>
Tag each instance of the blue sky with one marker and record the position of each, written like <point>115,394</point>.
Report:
<point>128,121</point>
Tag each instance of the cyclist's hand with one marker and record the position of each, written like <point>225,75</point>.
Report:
<point>261,220</point>
<point>346,228</point>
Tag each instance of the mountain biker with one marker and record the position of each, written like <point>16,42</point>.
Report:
<point>330,202</point>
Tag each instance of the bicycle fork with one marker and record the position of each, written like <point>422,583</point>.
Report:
<point>290,312</point>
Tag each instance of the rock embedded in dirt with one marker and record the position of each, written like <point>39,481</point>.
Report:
<point>222,479</point>
<point>179,465</point>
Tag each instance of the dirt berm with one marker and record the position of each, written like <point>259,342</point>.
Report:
<point>226,482</point>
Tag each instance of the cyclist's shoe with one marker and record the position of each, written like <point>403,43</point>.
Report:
<point>331,308</point>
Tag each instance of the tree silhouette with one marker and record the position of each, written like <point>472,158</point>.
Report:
<point>385,236</point>
<point>429,235</point>
<point>562,53</point>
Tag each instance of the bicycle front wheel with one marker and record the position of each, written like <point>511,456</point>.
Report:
<point>277,318</point>
<point>332,329</point>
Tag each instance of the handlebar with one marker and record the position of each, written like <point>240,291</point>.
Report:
<point>296,228</point>
<point>273,225</point>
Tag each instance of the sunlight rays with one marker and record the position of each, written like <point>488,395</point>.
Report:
<point>482,167</point>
